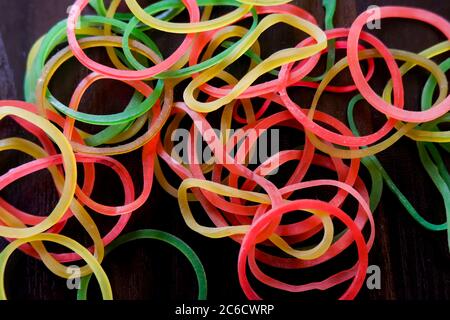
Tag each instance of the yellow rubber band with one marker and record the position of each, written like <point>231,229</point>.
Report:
<point>79,212</point>
<point>97,269</point>
<point>221,232</point>
<point>274,61</point>
<point>184,28</point>
<point>68,190</point>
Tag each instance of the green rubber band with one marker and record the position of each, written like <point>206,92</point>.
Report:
<point>156,235</point>
<point>187,71</point>
<point>330,10</point>
<point>57,35</point>
<point>99,7</point>
<point>437,159</point>
<point>376,190</point>
<point>107,134</point>
<point>372,164</point>
<point>430,86</point>
<point>112,119</point>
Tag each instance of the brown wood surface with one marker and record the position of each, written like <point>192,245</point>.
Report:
<point>415,263</point>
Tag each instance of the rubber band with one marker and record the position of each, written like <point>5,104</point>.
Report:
<point>63,55</point>
<point>74,14</point>
<point>191,27</point>
<point>101,276</point>
<point>100,9</point>
<point>214,235</point>
<point>274,61</point>
<point>441,181</point>
<point>299,205</point>
<point>335,152</point>
<point>78,211</point>
<point>162,236</point>
<point>355,69</point>
<point>330,9</point>
<point>69,163</point>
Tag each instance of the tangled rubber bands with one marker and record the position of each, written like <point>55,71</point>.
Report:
<point>271,215</point>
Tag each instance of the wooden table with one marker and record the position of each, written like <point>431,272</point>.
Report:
<point>414,263</point>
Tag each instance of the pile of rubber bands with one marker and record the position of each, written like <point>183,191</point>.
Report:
<point>239,200</point>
